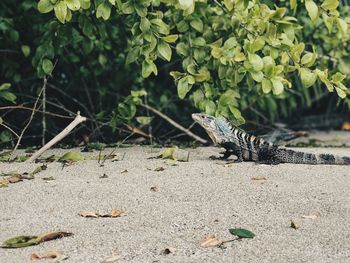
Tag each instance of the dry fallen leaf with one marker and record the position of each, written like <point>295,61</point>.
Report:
<point>168,250</point>
<point>346,126</point>
<point>49,178</point>
<point>4,183</point>
<point>14,179</point>
<point>154,189</point>
<point>47,255</point>
<point>53,235</point>
<point>211,241</point>
<point>88,214</point>
<point>258,177</point>
<point>104,176</point>
<point>294,224</point>
<point>311,216</point>
<point>114,213</point>
<point>25,241</point>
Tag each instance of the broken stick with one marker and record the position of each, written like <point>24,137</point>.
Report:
<point>78,119</point>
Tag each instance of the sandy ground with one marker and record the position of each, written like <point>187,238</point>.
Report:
<point>194,199</point>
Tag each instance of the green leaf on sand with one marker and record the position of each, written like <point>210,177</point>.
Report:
<point>241,233</point>
<point>71,156</point>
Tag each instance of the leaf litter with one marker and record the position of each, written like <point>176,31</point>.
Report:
<point>25,241</point>
<point>174,153</point>
<point>57,255</point>
<point>95,214</point>
<point>211,241</point>
<point>15,177</point>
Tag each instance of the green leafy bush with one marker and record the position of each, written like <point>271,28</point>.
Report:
<point>232,58</point>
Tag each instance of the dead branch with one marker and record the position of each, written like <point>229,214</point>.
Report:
<point>9,128</point>
<point>29,121</point>
<point>175,124</point>
<point>78,119</point>
<point>21,107</point>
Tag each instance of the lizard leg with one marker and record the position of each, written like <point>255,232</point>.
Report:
<point>233,149</point>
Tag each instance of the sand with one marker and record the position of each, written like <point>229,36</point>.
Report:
<point>192,200</point>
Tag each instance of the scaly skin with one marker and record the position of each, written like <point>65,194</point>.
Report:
<point>250,148</point>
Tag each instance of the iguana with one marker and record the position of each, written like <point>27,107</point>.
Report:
<point>250,148</point>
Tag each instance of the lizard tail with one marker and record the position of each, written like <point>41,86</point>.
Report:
<point>290,156</point>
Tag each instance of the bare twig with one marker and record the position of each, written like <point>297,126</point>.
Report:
<point>9,128</point>
<point>21,107</point>
<point>78,119</point>
<point>114,149</point>
<point>175,124</point>
<point>44,117</point>
<point>30,119</point>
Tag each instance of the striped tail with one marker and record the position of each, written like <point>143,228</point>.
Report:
<point>290,156</point>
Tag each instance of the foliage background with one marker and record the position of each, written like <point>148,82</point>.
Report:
<point>235,58</point>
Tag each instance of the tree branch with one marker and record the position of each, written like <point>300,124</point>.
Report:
<point>78,119</point>
<point>175,124</point>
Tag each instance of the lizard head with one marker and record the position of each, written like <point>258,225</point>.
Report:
<point>217,129</point>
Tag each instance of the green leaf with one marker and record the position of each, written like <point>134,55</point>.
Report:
<point>266,86</point>
<point>140,10</point>
<point>308,59</point>
<point>308,78</point>
<point>104,11</point>
<point>341,93</point>
<point>330,4</point>
<point>258,44</point>
<point>256,61</point>
<point>9,96</point>
<point>85,4</point>
<point>170,38</point>
<point>229,43</point>
<point>210,107</point>
<point>73,5</point>
<point>186,4</point>
<point>147,68</point>
<point>182,26</point>
<point>71,156</point>
<point>241,233</point>
<point>128,8</point>
<point>257,75</point>
<point>145,24</point>
<point>144,120</point>
<point>338,77</point>
<point>183,87</point>
<point>328,21</point>
<point>5,86</point>
<point>342,26</point>
<point>160,26</point>
<point>312,9</point>
<point>127,109</point>
<point>133,55</point>
<point>269,64</point>
<point>47,66</point>
<point>197,24</point>
<point>20,241</point>
<point>45,6</point>
<point>293,4</point>
<point>182,49</point>
<point>164,50</point>
<point>61,11</point>
<point>277,85</point>
<point>25,50</point>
